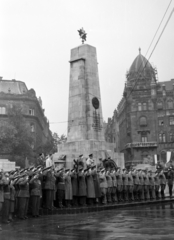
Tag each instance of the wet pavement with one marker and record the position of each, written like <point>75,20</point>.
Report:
<point>136,223</point>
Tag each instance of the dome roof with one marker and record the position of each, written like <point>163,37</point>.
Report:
<point>140,63</point>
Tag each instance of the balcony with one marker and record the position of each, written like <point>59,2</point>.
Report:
<point>141,145</point>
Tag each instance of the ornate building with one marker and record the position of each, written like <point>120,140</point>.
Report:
<point>145,114</point>
<point>13,92</point>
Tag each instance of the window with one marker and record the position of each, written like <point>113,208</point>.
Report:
<point>171,120</point>
<point>143,121</point>
<point>171,137</point>
<point>143,137</point>
<point>144,106</point>
<point>31,112</point>
<point>32,127</point>
<point>162,137</point>
<point>139,107</point>
<point>170,104</point>
<point>159,105</point>
<point>2,110</point>
<point>161,122</point>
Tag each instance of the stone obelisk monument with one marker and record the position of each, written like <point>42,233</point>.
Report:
<point>85,132</point>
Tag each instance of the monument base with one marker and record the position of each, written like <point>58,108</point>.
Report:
<point>99,149</point>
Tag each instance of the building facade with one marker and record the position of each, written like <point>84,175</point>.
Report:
<point>13,92</point>
<point>145,115</point>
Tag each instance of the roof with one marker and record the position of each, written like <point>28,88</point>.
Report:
<point>140,63</point>
<point>13,87</point>
<point>168,85</point>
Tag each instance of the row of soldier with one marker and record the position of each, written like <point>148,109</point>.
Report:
<point>26,191</point>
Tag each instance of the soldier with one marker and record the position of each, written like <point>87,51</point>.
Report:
<point>90,161</point>
<point>103,185</point>
<point>68,188</point>
<point>90,187</point>
<point>49,187</point>
<point>157,184</point>
<point>96,183</point>
<point>170,178</point>
<point>146,185</point>
<point>1,192</point>
<point>109,188</point>
<point>6,204</point>
<point>162,183</point>
<point>119,184</point>
<point>141,185</point>
<point>23,196</point>
<point>60,184</point>
<point>35,194</point>
<point>82,187</point>
<point>130,187</point>
<point>136,184</point>
<point>151,185</point>
<point>12,199</point>
<point>114,186</point>
<point>125,185</point>
<point>74,181</point>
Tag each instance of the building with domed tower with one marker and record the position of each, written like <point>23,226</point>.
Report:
<point>145,115</point>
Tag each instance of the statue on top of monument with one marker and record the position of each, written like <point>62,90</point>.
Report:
<point>82,34</point>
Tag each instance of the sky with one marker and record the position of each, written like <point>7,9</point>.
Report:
<point>36,37</point>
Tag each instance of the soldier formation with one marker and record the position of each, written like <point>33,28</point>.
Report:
<point>24,192</point>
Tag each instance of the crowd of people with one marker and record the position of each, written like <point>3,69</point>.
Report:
<point>24,192</point>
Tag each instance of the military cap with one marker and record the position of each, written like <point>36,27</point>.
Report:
<point>67,170</point>
<point>91,155</point>
<point>81,155</point>
<point>47,168</point>
<point>93,166</point>
<point>80,168</point>
<point>102,170</point>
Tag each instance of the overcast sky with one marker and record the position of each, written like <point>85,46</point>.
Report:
<point>36,37</point>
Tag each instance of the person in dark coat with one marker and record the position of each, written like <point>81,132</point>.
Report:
<point>170,178</point>
<point>6,204</point>
<point>157,185</point>
<point>82,187</point>
<point>35,194</point>
<point>162,183</point>
<point>23,197</point>
<point>74,181</point>
<point>12,200</point>
<point>60,184</point>
<point>96,183</point>
<point>151,185</point>
<point>136,184</point>
<point>1,193</point>
<point>49,187</point>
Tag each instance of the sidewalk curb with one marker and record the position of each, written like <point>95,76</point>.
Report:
<point>103,208</point>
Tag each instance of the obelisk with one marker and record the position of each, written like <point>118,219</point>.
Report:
<point>85,119</point>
